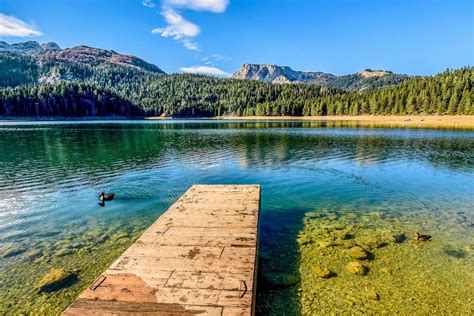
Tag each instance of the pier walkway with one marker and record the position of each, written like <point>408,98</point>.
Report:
<point>198,258</point>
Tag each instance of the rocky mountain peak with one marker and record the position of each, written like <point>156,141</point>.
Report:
<point>367,79</point>
<point>29,47</point>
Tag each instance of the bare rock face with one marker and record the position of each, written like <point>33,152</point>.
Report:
<point>279,74</point>
<point>367,79</point>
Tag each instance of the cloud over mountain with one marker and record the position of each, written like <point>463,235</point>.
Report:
<point>11,26</point>
<point>206,70</point>
<point>179,28</point>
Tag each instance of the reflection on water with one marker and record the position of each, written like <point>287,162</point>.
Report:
<point>50,175</point>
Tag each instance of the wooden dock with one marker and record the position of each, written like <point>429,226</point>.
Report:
<point>198,258</point>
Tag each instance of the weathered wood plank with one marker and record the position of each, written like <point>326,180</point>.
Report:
<point>199,257</point>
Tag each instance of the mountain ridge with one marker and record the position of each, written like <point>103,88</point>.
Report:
<point>366,79</point>
<point>82,54</point>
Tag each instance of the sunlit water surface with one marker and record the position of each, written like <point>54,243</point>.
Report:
<point>51,174</point>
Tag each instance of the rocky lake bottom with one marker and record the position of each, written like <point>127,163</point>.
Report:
<point>340,209</point>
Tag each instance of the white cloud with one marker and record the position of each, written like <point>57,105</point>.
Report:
<point>204,70</point>
<point>149,4</point>
<point>213,59</point>
<point>190,45</point>
<point>216,6</point>
<point>11,26</point>
<point>178,27</point>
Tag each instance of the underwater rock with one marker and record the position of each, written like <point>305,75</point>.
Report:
<point>358,253</point>
<point>343,235</point>
<point>33,254</point>
<point>63,252</point>
<point>370,242</point>
<point>347,243</point>
<point>356,268</point>
<point>325,244</point>
<point>56,279</point>
<point>374,295</point>
<point>13,251</point>
<point>281,279</point>
<point>322,272</point>
<point>456,253</point>
<point>312,215</point>
<point>331,216</point>
<point>398,238</point>
<point>386,270</point>
<point>40,259</point>
<point>303,240</point>
<point>119,236</point>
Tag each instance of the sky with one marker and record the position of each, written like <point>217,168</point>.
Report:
<point>416,37</point>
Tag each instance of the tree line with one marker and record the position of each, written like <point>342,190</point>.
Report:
<point>73,89</point>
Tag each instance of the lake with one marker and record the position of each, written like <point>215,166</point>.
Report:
<point>318,179</point>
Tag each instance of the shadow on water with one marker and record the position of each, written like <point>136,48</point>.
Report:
<point>278,262</point>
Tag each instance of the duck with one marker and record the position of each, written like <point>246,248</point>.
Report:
<point>106,197</point>
<point>422,237</point>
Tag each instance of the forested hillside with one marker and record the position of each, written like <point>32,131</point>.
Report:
<point>125,86</point>
<point>193,95</point>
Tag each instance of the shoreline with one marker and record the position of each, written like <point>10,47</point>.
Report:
<point>446,121</point>
<point>454,121</point>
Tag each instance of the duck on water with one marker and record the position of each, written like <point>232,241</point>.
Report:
<point>105,197</point>
<point>420,237</point>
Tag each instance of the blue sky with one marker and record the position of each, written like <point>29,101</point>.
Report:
<point>418,37</point>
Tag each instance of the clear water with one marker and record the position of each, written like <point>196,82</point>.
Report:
<point>51,175</point>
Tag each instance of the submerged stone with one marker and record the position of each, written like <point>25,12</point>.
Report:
<point>356,268</point>
<point>33,254</point>
<point>374,295</point>
<point>325,244</point>
<point>398,238</point>
<point>370,242</point>
<point>347,243</point>
<point>281,279</point>
<point>386,270</point>
<point>456,253</point>
<point>358,253</point>
<point>119,236</point>
<point>13,251</point>
<point>63,252</point>
<point>303,240</point>
<point>56,279</point>
<point>322,272</point>
<point>343,235</point>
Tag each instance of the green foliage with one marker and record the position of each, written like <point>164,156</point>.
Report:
<point>17,69</point>
<point>63,99</point>
<point>77,89</point>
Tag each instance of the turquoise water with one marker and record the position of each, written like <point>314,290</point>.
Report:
<point>51,175</point>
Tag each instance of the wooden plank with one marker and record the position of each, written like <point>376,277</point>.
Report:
<point>199,257</point>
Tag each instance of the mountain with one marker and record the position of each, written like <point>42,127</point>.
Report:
<point>96,56</point>
<point>50,54</point>
<point>280,74</point>
<point>45,80</point>
<point>367,79</point>
<point>30,47</point>
<point>147,94</point>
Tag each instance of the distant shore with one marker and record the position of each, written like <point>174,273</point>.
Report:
<point>455,121</point>
<point>413,121</point>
